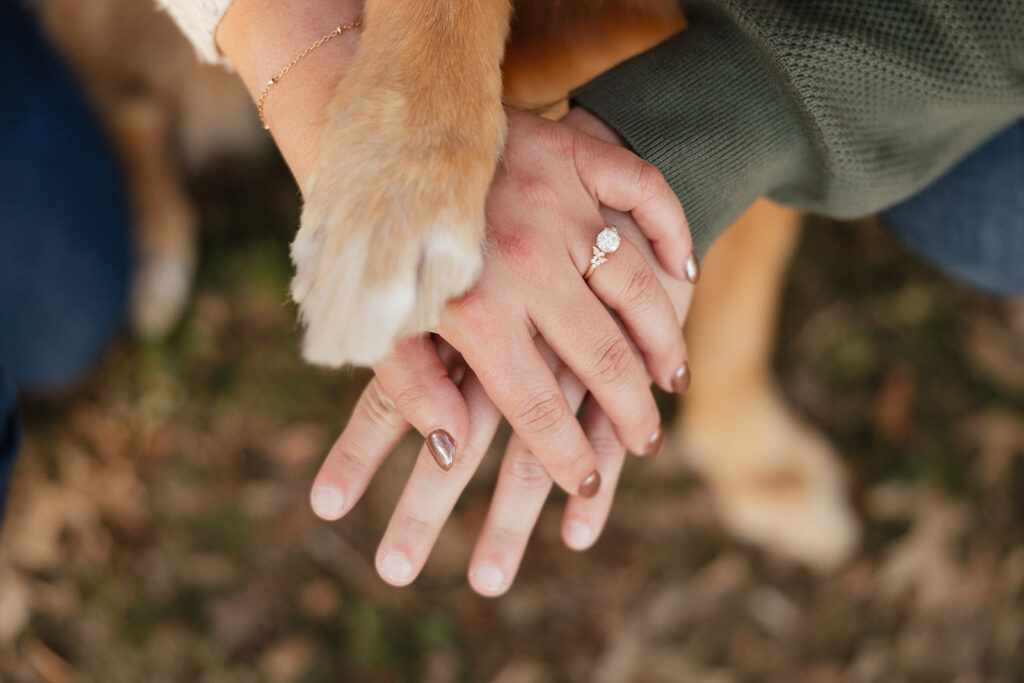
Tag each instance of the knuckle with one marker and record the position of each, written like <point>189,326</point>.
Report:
<point>478,316</point>
<point>348,464</point>
<point>649,180</point>
<point>378,407</point>
<point>474,308</point>
<point>415,524</point>
<point>519,249</point>
<point>605,442</point>
<point>527,471</point>
<point>536,194</point>
<point>507,536</point>
<point>554,139</point>
<point>640,290</point>
<point>410,397</point>
<point>614,361</point>
<point>544,412</point>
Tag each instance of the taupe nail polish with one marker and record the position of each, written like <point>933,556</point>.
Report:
<point>442,447</point>
<point>681,379</point>
<point>591,485</point>
<point>654,443</point>
<point>692,269</point>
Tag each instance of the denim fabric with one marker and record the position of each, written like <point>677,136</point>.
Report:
<point>10,436</point>
<point>65,253</point>
<point>970,222</point>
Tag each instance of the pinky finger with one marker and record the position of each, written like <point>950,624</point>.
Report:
<point>585,518</point>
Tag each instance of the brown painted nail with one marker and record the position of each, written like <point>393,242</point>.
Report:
<point>681,379</point>
<point>442,447</point>
<point>654,443</point>
<point>590,486</point>
<point>692,269</point>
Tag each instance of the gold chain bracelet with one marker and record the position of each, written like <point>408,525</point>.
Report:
<point>273,81</point>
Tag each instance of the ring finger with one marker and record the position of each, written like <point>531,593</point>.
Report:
<point>628,284</point>
<point>586,337</point>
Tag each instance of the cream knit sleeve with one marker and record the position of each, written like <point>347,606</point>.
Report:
<point>198,19</point>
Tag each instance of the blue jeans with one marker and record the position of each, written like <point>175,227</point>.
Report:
<point>970,222</point>
<point>65,252</point>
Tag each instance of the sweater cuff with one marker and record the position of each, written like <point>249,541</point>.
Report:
<point>198,20</point>
<point>704,107</point>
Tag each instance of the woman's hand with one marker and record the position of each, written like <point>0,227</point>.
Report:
<point>414,383</point>
<point>376,427</point>
<point>544,216</point>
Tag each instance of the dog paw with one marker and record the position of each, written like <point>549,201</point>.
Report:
<point>393,222</point>
<point>357,295</point>
<point>165,266</point>
<point>776,483</point>
<point>160,290</point>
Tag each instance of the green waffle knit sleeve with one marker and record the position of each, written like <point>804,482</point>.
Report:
<point>841,107</point>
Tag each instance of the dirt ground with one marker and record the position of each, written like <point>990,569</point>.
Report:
<point>159,528</point>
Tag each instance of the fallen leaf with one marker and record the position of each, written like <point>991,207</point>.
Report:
<point>288,659</point>
<point>998,437</point>
<point>50,666</point>
<point>893,403</point>
<point>996,351</point>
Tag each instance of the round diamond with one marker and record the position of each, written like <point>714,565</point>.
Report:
<point>608,240</point>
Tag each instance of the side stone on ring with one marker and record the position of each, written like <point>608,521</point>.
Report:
<point>608,241</point>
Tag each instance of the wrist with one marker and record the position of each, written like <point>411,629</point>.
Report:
<point>262,36</point>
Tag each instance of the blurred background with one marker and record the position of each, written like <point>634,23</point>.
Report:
<point>158,527</point>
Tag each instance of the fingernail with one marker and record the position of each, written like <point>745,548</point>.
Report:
<point>327,501</point>
<point>681,379</point>
<point>489,577</point>
<point>590,486</point>
<point>654,443</point>
<point>442,447</point>
<point>579,535</point>
<point>692,269</point>
<point>396,566</point>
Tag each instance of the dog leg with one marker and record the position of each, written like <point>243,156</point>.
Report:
<point>393,223</point>
<point>165,222</point>
<point>776,482</point>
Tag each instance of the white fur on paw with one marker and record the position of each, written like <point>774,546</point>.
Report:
<point>160,290</point>
<point>352,316</point>
<point>447,269</point>
<point>799,511</point>
<point>776,483</point>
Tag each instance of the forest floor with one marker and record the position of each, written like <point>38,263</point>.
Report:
<point>159,528</point>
